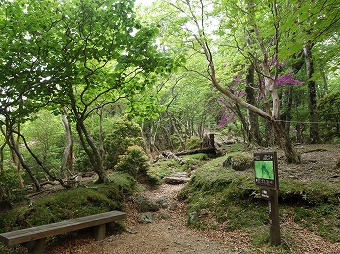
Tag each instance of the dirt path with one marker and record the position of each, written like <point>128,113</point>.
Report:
<point>170,236</point>
<point>167,236</point>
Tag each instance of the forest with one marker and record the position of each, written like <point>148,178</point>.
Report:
<point>105,87</point>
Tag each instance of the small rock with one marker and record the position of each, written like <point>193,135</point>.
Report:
<point>145,218</point>
<point>173,206</point>
<point>164,216</point>
<point>162,202</point>
<point>192,218</point>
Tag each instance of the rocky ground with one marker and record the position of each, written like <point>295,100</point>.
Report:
<point>164,231</point>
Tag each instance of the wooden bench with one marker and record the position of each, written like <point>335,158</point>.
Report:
<point>34,238</point>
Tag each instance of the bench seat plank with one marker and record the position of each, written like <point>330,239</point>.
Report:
<point>39,232</point>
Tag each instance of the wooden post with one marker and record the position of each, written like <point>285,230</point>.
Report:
<point>274,220</point>
<point>100,232</point>
<point>36,247</point>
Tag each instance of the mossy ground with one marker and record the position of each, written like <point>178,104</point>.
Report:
<point>228,199</point>
<point>67,204</point>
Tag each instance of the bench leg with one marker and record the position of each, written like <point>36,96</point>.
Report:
<point>36,247</point>
<point>100,232</point>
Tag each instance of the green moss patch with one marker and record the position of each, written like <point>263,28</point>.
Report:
<point>69,204</point>
<point>229,199</point>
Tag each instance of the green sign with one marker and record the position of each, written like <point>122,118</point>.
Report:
<point>265,169</point>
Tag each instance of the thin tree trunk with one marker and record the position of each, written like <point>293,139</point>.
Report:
<point>177,131</point>
<point>313,114</point>
<point>41,164</point>
<point>87,142</point>
<point>11,143</point>
<point>325,83</point>
<point>288,103</point>
<point>2,157</point>
<point>67,161</point>
<point>21,181</point>
<point>100,135</point>
<point>254,130</point>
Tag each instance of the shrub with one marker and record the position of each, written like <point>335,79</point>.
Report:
<point>123,134</point>
<point>133,162</point>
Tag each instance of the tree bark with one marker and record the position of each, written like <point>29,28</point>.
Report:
<point>92,151</point>
<point>2,157</point>
<point>253,125</point>
<point>13,147</point>
<point>287,116</point>
<point>313,114</point>
<point>291,155</point>
<point>87,142</point>
<point>67,161</point>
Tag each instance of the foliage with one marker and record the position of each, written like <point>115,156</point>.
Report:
<point>45,136</point>
<point>121,186</point>
<point>8,182</point>
<point>329,112</point>
<point>133,162</point>
<point>77,55</point>
<point>119,134</point>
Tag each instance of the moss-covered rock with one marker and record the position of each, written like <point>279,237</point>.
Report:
<point>238,162</point>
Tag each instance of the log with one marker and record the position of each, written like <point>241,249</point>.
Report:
<point>171,155</point>
<point>176,180</point>
<point>209,150</point>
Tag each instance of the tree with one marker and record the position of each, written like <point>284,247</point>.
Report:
<point>78,55</point>
<point>197,15</point>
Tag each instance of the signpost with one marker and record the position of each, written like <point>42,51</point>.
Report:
<point>266,177</point>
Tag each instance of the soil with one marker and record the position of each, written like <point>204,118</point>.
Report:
<point>171,235</point>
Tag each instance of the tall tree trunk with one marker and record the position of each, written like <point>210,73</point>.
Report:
<point>67,161</point>
<point>2,157</point>
<point>87,142</point>
<point>288,103</point>
<point>313,114</point>
<point>254,130</point>
<point>100,135</point>
<point>285,144</point>
<point>92,151</point>
<point>17,142</point>
<point>176,130</point>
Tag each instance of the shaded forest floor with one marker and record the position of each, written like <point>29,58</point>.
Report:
<point>171,235</point>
